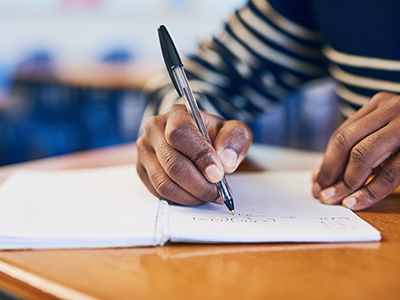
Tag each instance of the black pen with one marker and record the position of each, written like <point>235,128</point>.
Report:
<point>175,69</point>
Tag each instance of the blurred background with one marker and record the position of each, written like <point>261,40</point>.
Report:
<point>72,74</point>
<point>72,71</point>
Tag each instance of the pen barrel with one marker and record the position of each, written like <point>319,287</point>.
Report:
<point>190,100</point>
<point>224,190</point>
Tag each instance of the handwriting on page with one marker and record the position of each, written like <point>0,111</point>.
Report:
<point>235,219</point>
<point>333,223</point>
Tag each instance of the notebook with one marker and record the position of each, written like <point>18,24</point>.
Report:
<point>110,207</point>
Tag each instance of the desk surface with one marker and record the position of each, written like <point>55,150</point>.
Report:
<point>179,271</point>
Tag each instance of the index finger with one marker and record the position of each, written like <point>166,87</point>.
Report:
<point>182,134</point>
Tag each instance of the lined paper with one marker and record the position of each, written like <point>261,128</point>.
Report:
<point>269,207</point>
<point>101,207</point>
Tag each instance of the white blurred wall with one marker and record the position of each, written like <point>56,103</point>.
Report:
<point>79,32</point>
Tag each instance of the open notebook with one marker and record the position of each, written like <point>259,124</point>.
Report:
<point>110,207</point>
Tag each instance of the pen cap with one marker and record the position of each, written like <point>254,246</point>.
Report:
<point>169,52</point>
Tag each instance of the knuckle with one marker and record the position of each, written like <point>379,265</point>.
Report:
<point>187,137</point>
<point>174,167</point>
<point>143,146</point>
<point>178,133</point>
<point>203,154</point>
<point>351,183</point>
<point>177,107</point>
<point>386,100</point>
<point>324,177</point>
<point>342,139</point>
<point>389,176</point>
<point>242,132</point>
<point>369,195</point>
<point>360,154</point>
<point>151,123</point>
<point>140,143</point>
<point>164,186</point>
<point>381,97</point>
<point>392,104</point>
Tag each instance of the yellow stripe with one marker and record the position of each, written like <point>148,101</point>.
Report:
<point>364,82</point>
<point>361,61</point>
<point>350,96</point>
<point>238,49</point>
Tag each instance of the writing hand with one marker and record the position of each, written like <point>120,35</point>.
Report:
<point>366,143</point>
<point>176,163</point>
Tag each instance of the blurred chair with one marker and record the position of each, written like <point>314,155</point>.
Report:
<point>41,120</point>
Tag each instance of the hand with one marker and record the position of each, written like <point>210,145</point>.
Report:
<point>177,164</point>
<point>366,143</point>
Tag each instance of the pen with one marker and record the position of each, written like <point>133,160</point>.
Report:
<point>178,76</point>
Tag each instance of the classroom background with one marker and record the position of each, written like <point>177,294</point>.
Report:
<point>72,74</point>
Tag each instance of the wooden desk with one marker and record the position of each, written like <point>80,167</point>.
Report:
<point>261,271</point>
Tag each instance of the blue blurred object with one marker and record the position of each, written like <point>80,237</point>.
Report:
<point>99,117</point>
<point>48,119</point>
<point>110,116</point>
<point>35,139</point>
<point>5,78</point>
<point>42,120</point>
<point>117,56</point>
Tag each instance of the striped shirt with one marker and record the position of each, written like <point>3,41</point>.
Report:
<point>269,48</point>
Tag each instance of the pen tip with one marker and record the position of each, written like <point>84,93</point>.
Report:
<point>233,212</point>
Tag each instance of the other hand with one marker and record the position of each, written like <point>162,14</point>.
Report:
<point>177,164</point>
<point>368,142</point>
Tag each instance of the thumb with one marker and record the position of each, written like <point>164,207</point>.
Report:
<point>232,142</point>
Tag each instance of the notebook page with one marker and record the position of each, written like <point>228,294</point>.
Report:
<point>102,207</point>
<point>269,207</point>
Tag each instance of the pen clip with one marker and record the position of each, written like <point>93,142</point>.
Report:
<point>170,54</point>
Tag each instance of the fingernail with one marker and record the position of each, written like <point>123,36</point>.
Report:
<point>349,202</point>
<point>213,173</point>
<point>228,157</point>
<point>328,193</point>
<point>316,189</point>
